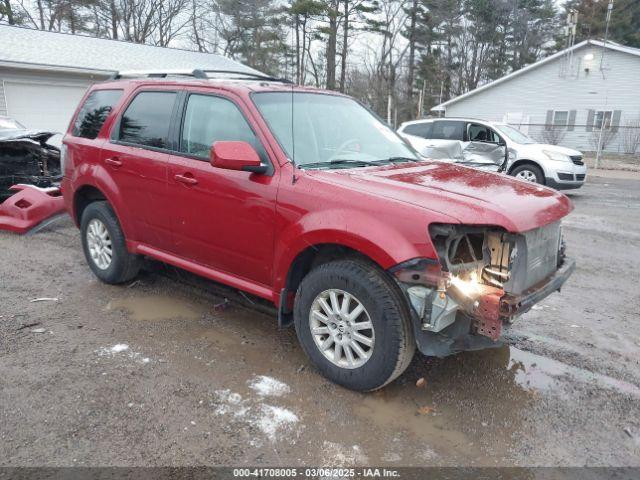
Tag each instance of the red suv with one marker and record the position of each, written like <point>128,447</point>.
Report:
<point>305,198</point>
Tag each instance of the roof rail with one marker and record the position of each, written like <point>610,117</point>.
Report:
<point>158,73</point>
<point>199,73</point>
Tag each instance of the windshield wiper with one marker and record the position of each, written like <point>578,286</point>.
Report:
<point>337,163</point>
<point>394,160</point>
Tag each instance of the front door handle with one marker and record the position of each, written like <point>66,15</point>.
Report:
<point>113,161</point>
<point>186,179</point>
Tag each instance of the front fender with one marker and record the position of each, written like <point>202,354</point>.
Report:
<point>366,234</point>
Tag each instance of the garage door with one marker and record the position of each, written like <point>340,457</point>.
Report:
<point>42,106</point>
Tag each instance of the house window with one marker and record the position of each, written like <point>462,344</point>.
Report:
<point>560,118</point>
<point>602,117</point>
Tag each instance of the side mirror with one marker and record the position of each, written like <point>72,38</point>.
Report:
<point>236,156</point>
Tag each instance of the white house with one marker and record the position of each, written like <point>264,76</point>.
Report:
<point>565,97</point>
<point>43,75</point>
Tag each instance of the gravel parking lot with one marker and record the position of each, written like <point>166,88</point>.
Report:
<point>165,372</point>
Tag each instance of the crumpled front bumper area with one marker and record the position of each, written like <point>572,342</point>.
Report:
<point>513,305</point>
<point>446,321</point>
<point>497,307</point>
<point>30,208</point>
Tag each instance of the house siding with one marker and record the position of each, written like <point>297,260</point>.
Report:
<point>552,86</point>
<point>3,99</point>
<point>54,111</point>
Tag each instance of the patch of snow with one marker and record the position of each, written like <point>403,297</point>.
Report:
<point>269,386</point>
<point>271,420</point>
<point>274,420</point>
<point>231,403</point>
<point>122,348</point>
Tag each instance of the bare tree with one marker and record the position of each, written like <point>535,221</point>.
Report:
<point>332,41</point>
<point>631,136</point>
<point>608,135</point>
<point>553,134</point>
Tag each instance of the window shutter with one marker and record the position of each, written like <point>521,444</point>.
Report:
<point>590,117</point>
<point>572,120</point>
<point>549,121</point>
<point>615,120</point>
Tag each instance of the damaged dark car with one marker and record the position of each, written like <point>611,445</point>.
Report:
<point>26,157</point>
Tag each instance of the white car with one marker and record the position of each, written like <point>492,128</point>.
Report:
<point>498,147</point>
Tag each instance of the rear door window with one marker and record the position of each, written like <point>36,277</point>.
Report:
<point>94,112</point>
<point>448,130</point>
<point>146,120</point>
<point>419,129</point>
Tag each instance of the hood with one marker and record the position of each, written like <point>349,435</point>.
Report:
<point>538,147</point>
<point>471,196</point>
<point>40,136</point>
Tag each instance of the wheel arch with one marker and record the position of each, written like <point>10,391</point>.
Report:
<point>311,255</point>
<point>88,193</point>
<point>526,161</point>
<point>83,196</point>
<point>315,255</point>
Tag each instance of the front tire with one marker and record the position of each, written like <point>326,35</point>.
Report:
<point>353,324</point>
<point>529,173</point>
<point>104,245</point>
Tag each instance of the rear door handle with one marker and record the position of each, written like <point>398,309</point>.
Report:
<point>113,161</point>
<point>186,179</point>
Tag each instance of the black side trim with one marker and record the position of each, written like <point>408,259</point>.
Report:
<point>285,315</point>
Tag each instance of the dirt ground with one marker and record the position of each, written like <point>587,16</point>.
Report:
<point>614,161</point>
<point>163,372</point>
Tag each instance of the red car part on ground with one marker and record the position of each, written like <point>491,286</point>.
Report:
<point>30,207</point>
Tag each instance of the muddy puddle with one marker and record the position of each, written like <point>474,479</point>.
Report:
<point>157,307</point>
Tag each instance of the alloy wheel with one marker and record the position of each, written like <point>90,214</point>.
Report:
<point>341,328</point>
<point>527,176</point>
<point>99,243</point>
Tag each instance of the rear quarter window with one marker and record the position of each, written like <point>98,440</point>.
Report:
<point>146,120</point>
<point>94,111</point>
<point>419,129</point>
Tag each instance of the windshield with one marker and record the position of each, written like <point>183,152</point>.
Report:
<point>7,123</point>
<point>514,134</point>
<point>325,131</point>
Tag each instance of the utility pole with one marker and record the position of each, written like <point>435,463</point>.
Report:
<point>599,148</point>
<point>606,34</point>
<point>570,31</point>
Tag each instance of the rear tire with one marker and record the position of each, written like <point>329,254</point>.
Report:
<point>388,346</point>
<point>104,245</point>
<point>529,173</point>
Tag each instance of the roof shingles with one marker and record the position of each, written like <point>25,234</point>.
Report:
<point>37,47</point>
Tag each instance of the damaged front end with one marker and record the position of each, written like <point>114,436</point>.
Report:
<point>483,279</point>
<point>27,158</point>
